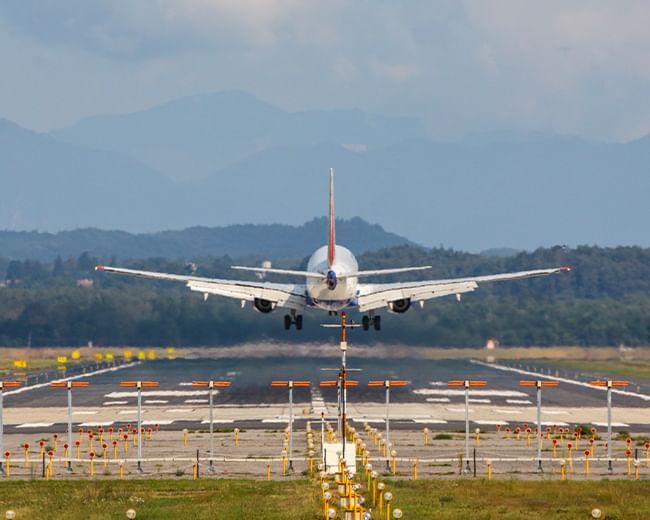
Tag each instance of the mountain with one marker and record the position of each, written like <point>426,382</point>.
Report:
<point>192,137</point>
<point>271,241</point>
<point>51,185</point>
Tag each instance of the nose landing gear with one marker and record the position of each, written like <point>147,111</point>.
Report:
<point>367,320</point>
<point>293,319</point>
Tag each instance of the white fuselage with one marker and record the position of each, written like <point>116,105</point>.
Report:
<point>345,293</point>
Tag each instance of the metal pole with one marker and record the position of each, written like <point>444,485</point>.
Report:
<point>2,430</point>
<point>467,468</point>
<point>387,384</point>
<point>290,425</point>
<point>210,387</point>
<point>139,425</point>
<point>610,468</point>
<point>539,426</point>
<point>322,437</point>
<point>70,424</point>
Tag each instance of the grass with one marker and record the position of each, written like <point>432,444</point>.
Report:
<point>299,499</point>
<point>516,499</point>
<point>161,499</point>
<point>636,369</point>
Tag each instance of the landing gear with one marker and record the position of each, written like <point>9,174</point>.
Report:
<point>293,319</point>
<point>376,322</point>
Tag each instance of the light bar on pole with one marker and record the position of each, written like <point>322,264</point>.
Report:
<point>333,383</point>
<point>609,384</point>
<point>388,382</point>
<point>459,382</point>
<point>290,383</point>
<point>143,384</point>
<point>215,384</point>
<point>539,383</point>
<point>10,384</point>
<point>70,384</point>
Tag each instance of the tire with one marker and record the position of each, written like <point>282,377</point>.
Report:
<point>376,322</point>
<point>299,322</point>
<point>287,322</point>
<point>365,322</point>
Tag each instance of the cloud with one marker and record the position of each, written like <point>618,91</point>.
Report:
<point>572,66</point>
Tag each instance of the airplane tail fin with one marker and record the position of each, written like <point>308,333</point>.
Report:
<point>331,241</point>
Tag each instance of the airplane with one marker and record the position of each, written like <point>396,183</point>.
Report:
<point>331,283</point>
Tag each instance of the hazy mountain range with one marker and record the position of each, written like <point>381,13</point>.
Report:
<point>273,241</point>
<point>229,158</point>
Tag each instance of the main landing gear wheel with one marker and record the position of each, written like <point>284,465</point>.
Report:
<point>291,320</point>
<point>376,322</point>
<point>365,322</point>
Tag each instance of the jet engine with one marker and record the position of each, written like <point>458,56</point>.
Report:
<point>263,306</point>
<point>400,306</point>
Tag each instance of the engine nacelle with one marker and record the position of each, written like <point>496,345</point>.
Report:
<point>400,306</point>
<point>263,306</point>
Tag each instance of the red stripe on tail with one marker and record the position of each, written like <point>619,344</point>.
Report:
<point>331,243</point>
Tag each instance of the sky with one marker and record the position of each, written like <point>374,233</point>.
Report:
<point>571,67</point>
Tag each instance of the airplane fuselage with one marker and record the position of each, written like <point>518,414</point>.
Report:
<point>336,291</point>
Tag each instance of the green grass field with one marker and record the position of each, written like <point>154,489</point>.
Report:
<point>516,499</point>
<point>633,369</point>
<point>161,499</point>
<point>299,500</point>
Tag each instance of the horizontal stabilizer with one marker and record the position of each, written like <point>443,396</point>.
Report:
<point>378,272</point>
<point>269,270</point>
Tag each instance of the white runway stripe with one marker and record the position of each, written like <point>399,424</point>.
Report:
<point>507,410</point>
<point>459,410</point>
<point>84,412</point>
<point>71,378</point>
<point>219,421</point>
<point>111,403</point>
<point>430,421</point>
<point>614,424</point>
<point>97,424</point>
<point>483,401</point>
<point>518,401</point>
<point>179,410</point>
<point>35,425</point>
<point>491,423</point>
<point>561,379</point>
<point>450,392</point>
<point>159,393</point>
<point>196,401</point>
<point>161,422</point>
<point>156,401</point>
<point>438,400</point>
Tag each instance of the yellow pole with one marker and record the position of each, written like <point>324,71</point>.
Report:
<point>121,470</point>
<point>185,438</point>
<point>562,471</point>
<point>268,472</point>
<point>8,466</point>
<point>415,470</point>
<point>636,470</point>
<point>194,471</point>
<point>489,471</point>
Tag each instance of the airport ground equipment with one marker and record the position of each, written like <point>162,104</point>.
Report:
<point>211,385</point>
<point>69,385</point>
<point>291,384</point>
<point>609,384</point>
<point>387,384</point>
<point>139,385</point>
<point>467,384</point>
<point>538,386</point>
<point>3,385</point>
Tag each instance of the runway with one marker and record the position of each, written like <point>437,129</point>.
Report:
<point>252,403</point>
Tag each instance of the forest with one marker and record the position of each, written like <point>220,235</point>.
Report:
<point>604,300</point>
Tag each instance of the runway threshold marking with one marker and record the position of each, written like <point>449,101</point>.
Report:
<point>72,378</point>
<point>561,379</point>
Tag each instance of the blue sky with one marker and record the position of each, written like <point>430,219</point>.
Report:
<point>571,67</point>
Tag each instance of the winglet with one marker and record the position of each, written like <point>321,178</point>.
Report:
<point>331,242</point>
<point>99,268</point>
<point>565,269</point>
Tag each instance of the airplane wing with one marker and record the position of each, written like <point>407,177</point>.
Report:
<point>281,295</point>
<point>375,296</point>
